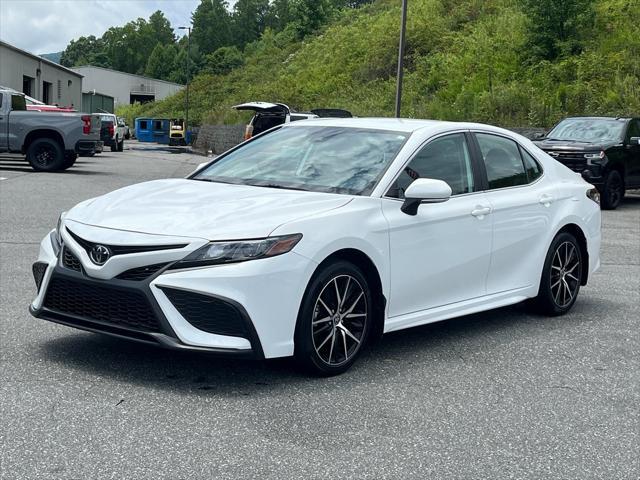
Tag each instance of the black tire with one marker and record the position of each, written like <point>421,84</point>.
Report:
<point>45,155</point>
<point>562,268</point>
<point>114,147</point>
<point>121,146</point>
<point>127,136</point>
<point>612,191</point>
<point>328,343</point>
<point>69,160</point>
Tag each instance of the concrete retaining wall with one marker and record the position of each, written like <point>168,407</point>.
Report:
<point>217,139</point>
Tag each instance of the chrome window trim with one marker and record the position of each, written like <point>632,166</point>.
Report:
<point>417,150</point>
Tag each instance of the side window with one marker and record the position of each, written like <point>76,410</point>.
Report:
<point>143,125</point>
<point>503,162</point>
<point>634,129</point>
<point>531,165</point>
<point>18,103</point>
<point>445,158</point>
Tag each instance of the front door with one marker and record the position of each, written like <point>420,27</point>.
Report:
<point>441,255</point>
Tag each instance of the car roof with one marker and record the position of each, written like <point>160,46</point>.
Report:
<point>407,125</point>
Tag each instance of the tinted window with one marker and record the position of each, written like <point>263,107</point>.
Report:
<point>295,118</point>
<point>531,166</point>
<point>143,125</point>
<point>502,159</point>
<point>634,129</point>
<point>321,159</point>
<point>445,158</point>
<point>18,103</point>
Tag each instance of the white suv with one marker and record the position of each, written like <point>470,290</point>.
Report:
<point>269,115</point>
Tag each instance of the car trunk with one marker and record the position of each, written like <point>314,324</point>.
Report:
<point>267,115</point>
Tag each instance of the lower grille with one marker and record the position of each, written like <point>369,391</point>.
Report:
<point>208,314</point>
<point>39,269</point>
<point>126,308</point>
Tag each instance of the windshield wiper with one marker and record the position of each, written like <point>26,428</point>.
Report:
<point>275,185</point>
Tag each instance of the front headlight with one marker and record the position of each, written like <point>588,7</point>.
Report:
<point>215,253</point>
<point>58,232</point>
<point>594,157</point>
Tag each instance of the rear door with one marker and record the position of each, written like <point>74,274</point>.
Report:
<point>523,202</point>
<point>633,154</point>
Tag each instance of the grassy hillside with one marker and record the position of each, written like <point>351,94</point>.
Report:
<point>466,60</point>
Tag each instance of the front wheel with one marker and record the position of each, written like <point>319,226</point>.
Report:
<point>561,276</point>
<point>613,191</point>
<point>334,319</point>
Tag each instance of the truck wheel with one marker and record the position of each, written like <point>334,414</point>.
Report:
<point>121,146</point>
<point>114,147</point>
<point>45,155</point>
<point>613,191</point>
<point>69,160</point>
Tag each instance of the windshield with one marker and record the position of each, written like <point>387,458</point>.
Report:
<point>313,158</point>
<point>589,130</point>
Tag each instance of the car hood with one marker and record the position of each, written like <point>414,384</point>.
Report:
<point>568,146</point>
<point>213,211</point>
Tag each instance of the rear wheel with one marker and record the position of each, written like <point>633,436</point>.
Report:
<point>121,146</point>
<point>45,155</point>
<point>613,190</point>
<point>561,276</point>
<point>334,320</point>
<point>114,147</point>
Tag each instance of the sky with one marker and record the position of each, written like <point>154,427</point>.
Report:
<point>47,26</point>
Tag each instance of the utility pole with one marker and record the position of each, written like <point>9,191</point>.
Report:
<point>400,76</point>
<point>186,116</point>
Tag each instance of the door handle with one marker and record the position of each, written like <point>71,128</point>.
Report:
<point>546,199</point>
<point>480,211</point>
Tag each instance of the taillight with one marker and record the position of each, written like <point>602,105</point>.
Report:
<point>86,124</point>
<point>248,132</point>
<point>112,130</point>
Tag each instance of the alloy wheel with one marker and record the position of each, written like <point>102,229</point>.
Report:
<point>44,155</point>
<point>615,190</point>
<point>339,320</point>
<point>565,274</point>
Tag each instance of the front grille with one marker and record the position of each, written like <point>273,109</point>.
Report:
<point>207,313</point>
<point>38,269</point>
<point>70,261</point>
<point>121,307</point>
<point>573,160</point>
<point>141,273</point>
<point>123,249</point>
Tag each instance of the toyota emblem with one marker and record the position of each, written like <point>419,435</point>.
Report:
<point>99,254</point>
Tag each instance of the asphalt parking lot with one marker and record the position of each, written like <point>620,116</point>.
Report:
<point>502,394</point>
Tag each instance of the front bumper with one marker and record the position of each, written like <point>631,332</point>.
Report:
<point>260,297</point>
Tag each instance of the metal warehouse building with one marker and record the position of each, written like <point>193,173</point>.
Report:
<point>38,77</point>
<point>125,88</point>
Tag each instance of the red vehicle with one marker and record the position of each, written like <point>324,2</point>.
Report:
<point>50,108</point>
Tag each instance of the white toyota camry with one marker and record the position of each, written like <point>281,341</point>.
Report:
<point>319,236</point>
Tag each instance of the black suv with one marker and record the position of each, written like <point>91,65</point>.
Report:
<point>605,150</point>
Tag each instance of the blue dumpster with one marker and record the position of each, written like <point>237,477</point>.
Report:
<point>161,128</point>
<point>144,131</point>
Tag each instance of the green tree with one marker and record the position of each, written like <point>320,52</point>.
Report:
<point>211,26</point>
<point>162,61</point>
<point>223,60</point>
<point>557,27</point>
<point>249,20</point>
<point>85,51</point>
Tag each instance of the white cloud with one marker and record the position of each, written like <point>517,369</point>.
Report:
<point>45,26</point>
